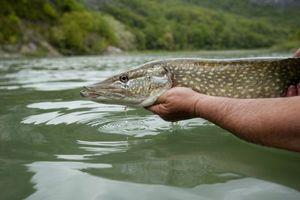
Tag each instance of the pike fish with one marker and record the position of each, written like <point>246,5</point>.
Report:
<point>236,78</point>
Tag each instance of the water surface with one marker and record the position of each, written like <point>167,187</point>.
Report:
<point>56,145</point>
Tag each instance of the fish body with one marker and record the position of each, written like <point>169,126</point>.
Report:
<point>236,78</point>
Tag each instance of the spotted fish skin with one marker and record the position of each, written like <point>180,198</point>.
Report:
<point>240,78</point>
<point>236,78</point>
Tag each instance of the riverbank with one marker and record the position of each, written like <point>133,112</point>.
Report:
<point>54,28</point>
<point>237,53</point>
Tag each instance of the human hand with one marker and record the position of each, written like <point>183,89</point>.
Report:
<point>293,90</point>
<point>176,104</point>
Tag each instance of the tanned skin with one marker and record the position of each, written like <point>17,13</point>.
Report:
<point>273,122</point>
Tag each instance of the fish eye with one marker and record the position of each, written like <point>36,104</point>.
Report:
<point>124,78</point>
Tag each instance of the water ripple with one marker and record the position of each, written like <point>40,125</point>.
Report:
<point>142,126</point>
<point>96,148</point>
<point>63,73</point>
<point>64,116</point>
<point>106,118</point>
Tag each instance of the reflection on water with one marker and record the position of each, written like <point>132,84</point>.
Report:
<point>67,180</point>
<point>96,149</point>
<point>55,145</point>
<point>64,115</point>
<point>108,118</point>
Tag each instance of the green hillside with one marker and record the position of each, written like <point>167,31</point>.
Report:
<point>205,24</point>
<point>89,27</point>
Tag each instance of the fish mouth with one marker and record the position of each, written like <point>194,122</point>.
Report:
<point>88,92</point>
<point>102,91</point>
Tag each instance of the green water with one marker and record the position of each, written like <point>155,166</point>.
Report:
<point>56,145</point>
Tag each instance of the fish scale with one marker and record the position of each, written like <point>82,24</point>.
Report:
<point>244,78</point>
<point>236,78</point>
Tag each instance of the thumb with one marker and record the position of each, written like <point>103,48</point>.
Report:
<point>154,108</point>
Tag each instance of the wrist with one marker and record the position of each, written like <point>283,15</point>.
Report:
<point>202,106</point>
<point>214,109</point>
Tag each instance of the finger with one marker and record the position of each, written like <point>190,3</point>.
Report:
<point>161,99</point>
<point>154,108</point>
<point>298,89</point>
<point>297,54</point>
<point>292,91</point>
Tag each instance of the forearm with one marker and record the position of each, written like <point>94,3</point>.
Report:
<point>261,121</point>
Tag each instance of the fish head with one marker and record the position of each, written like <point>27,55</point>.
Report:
<point>138,87</point>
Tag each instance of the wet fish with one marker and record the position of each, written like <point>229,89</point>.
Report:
<point>236,78</point>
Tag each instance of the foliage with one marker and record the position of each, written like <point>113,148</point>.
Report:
<point>74,28</point>
<point>49,10</point>
<point>82,32</point>
<point>186,24</point>
<point>123,38</point>
<point>10,29</point>
<point>292,43</point>
<point>66,24</point>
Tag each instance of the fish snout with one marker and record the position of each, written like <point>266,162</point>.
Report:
<point>83,93</point>
<point>86,91</point>
<point>88,88</point>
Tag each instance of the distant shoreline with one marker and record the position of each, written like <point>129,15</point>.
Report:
<point>239,52</point>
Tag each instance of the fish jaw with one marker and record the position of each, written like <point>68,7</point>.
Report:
<point>102,94</point>
<point>140,87</point>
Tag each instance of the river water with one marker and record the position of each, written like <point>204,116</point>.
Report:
<point>56,145</point>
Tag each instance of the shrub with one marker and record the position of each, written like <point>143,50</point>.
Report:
<point>82,32</point>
